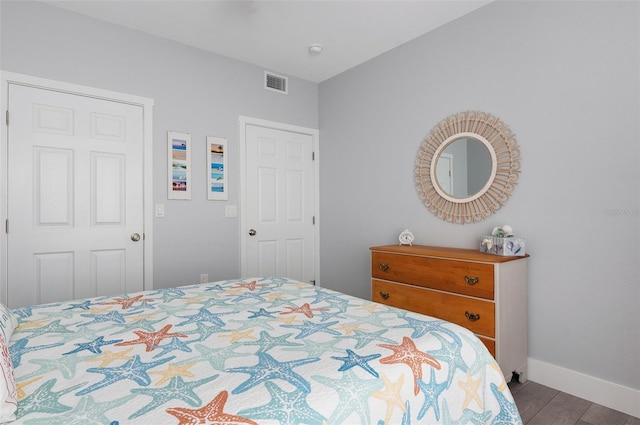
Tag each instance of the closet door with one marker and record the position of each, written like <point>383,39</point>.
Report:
<point>75,196</point>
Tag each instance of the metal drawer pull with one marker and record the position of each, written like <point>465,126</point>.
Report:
<point>471,280</point>
<point>472,317</point>
<point>384,296</point>
<point>383,267</point>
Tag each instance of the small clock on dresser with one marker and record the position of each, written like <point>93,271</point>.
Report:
<point>406,237</point>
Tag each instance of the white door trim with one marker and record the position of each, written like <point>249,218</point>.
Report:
<point>7,78</point>
<point>243,121</point>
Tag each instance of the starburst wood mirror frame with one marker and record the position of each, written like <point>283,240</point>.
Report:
<point>503,148</point>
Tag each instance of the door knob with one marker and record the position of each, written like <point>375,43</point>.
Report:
<point>135,237</point>
<point>252,232</point>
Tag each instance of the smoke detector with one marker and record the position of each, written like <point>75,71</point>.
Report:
<point>315,49</point>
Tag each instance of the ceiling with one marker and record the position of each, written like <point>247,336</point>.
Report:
<point>276,35</point>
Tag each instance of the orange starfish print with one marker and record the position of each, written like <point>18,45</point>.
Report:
<point>211,414</point>
<point>126,302</point>
<point>250,286</point>
<point>152,339</point>
<point>408,353</point>
<point>304,309</point>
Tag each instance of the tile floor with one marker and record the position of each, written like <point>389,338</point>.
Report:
<point>541,405</point>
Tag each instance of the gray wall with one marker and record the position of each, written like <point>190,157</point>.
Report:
<point>194,92</point>
<point>564,77</point>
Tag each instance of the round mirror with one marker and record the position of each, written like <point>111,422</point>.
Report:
<point>467,167</point>
<point>463,168</point>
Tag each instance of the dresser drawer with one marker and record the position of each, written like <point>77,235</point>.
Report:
<point>462,277</point>
<point>450,307</point>
<point>490,344</point>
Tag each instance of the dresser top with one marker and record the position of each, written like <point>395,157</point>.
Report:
<point>446,252</point>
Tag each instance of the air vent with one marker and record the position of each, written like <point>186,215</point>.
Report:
<point>275,82</point>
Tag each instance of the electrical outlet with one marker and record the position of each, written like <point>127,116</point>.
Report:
<point>204,278</point>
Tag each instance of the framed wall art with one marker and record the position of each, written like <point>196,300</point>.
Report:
<point>179,149</point>
<point>217,185</point>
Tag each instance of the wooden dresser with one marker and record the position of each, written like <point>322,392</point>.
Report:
<point>482,292</point>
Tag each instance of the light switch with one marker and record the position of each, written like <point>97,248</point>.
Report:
<point>159,210</point>
<point>231,211</point>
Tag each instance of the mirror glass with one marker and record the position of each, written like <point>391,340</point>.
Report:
<point>464,168</point>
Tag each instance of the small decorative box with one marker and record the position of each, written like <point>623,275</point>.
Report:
<point>502,246</point>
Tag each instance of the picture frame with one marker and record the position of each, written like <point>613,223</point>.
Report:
<point>217,182</point>
<point>179,165</point>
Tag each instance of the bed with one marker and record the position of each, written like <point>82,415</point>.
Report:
<point>250,351</point>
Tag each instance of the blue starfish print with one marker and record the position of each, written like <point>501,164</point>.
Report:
<point>406,417</point>
<point>50,328</point>
<point>83,306</point>
<point>203,315</point>
<point>249,296</point>
<point>86,412</point>
<point>134,370</point>
<point>353,396</point>
<point>93,346</point>
<point>308,328</point>
<point>328,315</point>
<point>353,359</point>
<point>113,316</point>
<point>86,332</point>
<point>431,392</point>
<point>316,349</point>
<point>65,365</point>
<point>327,296</point>
<point>286,407</point>
<point>174,344</point>
<point>267,342</point>
<point>172,309</point>
<point>261,313</point>
<point>464,419</point>
<point>144,324</point>
<point>269,368</point>
<point>44,400</point>
<point>483,357</point>
<point>20,348</point>
<point>478,418</point>
<point>143,305</point>
<point>217,287</point>
<point>341,304</point>
<point>422,327</point>
<point>215,303</point>
<point>23,312</point>
<point>508,410</point>
<point>169,294</point>
<point>177,388</point>
<point>277,302</point>
<point>215,356</point>
<point>205,331</point>
<point>450,353</point>
<point>275,281</point>
<point>244,324</point>
<point>366,338</point>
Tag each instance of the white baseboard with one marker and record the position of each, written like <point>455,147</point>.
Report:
<point>596,390</point>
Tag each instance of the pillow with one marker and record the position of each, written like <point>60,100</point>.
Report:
<point>8,391</point>
<point>8,322</point>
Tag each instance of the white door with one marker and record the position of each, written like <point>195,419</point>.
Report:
<point>443,172</point>
<point>74,196</point>
<point>279,208</point>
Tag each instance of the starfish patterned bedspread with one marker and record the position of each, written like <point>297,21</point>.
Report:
<point>250,351</point>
